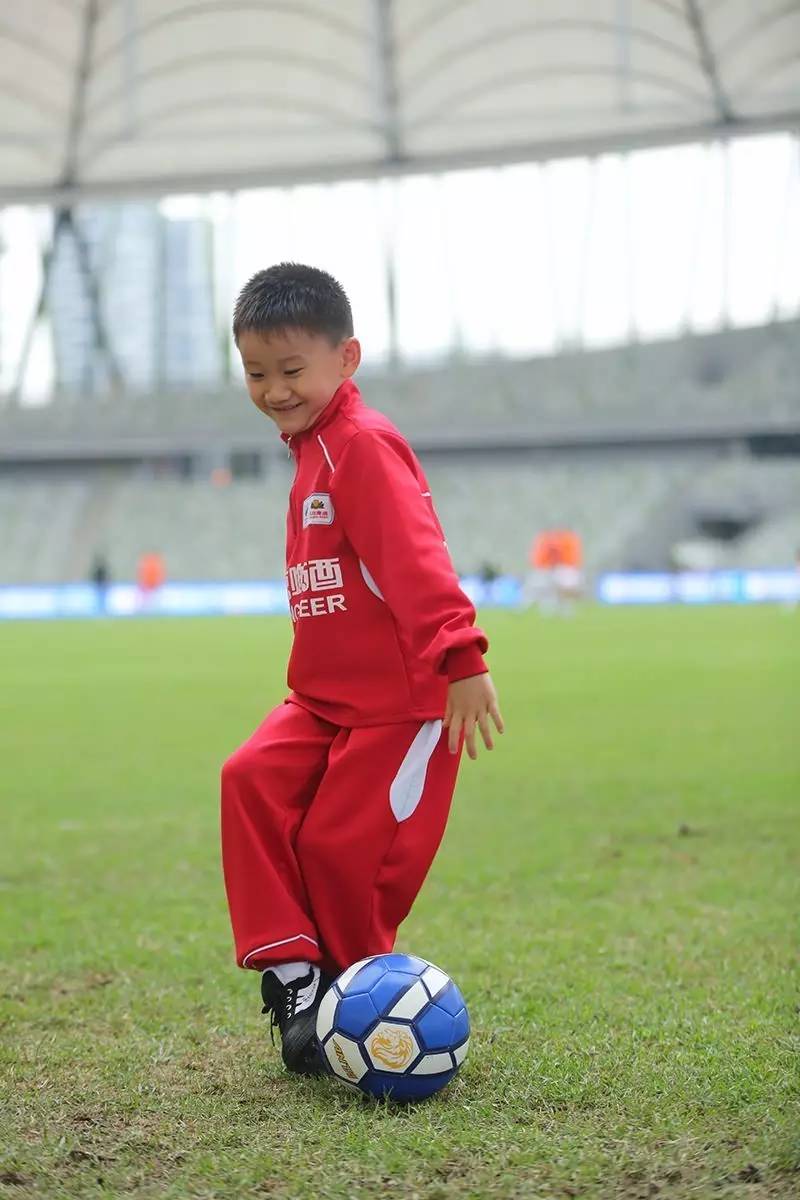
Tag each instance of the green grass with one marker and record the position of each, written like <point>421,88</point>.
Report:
<point>617,897</point>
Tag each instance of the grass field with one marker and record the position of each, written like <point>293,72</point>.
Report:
<point>617,896</point>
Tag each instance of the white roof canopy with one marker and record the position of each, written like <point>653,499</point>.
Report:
<point>114,97</point>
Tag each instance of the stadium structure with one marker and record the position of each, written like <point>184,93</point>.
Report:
<point>691,441</point>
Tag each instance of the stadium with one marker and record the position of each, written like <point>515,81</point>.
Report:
<point>570,237</point>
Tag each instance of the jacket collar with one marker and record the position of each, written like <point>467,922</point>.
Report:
<point>345,397</point>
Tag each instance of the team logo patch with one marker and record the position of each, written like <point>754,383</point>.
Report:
<point>317,509</point>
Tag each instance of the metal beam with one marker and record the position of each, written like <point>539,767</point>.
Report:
<point>129,58</point>
<point>102,343</point>
<point>385,79</point>
<point>78,106</point>
<point>485,156</point>
<point>38,312</point>
<point>65,225</point>
<point>623,26</point>
<point>708,61</point>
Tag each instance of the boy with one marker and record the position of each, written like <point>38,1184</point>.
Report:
<point>333,810</point>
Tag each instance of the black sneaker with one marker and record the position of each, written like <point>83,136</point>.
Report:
<point>293,1008</point>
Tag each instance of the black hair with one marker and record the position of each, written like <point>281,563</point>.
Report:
<point>292,296</point>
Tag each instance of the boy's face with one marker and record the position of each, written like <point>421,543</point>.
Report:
<point>291,375</point>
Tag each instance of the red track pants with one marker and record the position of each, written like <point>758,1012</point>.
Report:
<point>328,834</point>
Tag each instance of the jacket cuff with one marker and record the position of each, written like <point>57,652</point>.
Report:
<point>463,661</point>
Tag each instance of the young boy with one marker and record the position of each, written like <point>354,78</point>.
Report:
<point>333,810</point>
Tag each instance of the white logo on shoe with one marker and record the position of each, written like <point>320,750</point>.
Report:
<point>307,995</point>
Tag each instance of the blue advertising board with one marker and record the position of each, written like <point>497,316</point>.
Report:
<point>268,597</point>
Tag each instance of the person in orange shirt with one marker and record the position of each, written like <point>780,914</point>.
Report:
<point>555,579</point>
<point>151,574</point>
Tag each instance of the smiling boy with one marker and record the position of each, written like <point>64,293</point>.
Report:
<point>333,810</point>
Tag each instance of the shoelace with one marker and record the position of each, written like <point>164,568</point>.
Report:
<point>281,1011</point>
<point>273,1021</point>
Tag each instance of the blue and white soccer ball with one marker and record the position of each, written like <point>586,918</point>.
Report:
<point>394,1025</point>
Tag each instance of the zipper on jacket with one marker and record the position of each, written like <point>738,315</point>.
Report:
<point>292,508</point>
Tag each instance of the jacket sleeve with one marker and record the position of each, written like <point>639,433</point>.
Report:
<point>394,530</point>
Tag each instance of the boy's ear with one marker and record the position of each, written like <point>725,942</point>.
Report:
<point>351,356</point>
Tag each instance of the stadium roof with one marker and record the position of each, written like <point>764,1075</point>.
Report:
<point>109,97</point>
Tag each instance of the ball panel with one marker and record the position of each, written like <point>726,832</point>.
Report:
<point>368,974</point>
<point>343,981</point>
<point>391,1047</point>
<point>387,991</point>
<point>451,999</point>
<point>434,980</point>
<point>356,1015</point>
<point>460,1052</point>
<point>460,1026</point>
<point>434,1064</point>
<point>327,1013</point>
<point>344,1058</point>
<point>401,1088</point>
<point>405,962</point>
<point>435,1029</point>
<point>411,1002</point>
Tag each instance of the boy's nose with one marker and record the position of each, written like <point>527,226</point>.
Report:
<point>277,395</point>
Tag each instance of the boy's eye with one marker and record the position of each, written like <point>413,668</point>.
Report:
<point>254,375</point>
<point>293,371</point>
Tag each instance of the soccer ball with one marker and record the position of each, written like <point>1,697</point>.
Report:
<point>394,1025</point>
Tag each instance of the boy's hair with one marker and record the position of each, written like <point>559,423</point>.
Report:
<point>292,296</point>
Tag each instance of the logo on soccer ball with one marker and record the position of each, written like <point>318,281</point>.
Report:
<point>344,1064</point>
<point>393,1047</point>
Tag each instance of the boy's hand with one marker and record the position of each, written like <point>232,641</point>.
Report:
<point>471,702</point>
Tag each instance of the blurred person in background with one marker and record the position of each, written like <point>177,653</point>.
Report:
<point>568,571</point>
<point>487,574</point>
<point>151,574</point>
<point>554,581</point>
<point>537,587</point>
<point>100,576</point>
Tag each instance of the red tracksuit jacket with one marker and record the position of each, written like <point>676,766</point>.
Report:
<point>380,623</point>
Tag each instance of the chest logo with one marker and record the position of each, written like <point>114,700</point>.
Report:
<point>317,509</point>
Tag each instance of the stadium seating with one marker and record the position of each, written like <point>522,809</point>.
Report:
<point>693,383</point>
<point>204,532</point>
<point>754,488</point>
<point>39,525</point>
<point>773,543</point>
<point>490,506</point>
<point>630,507</point>
<point>711,382</point>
